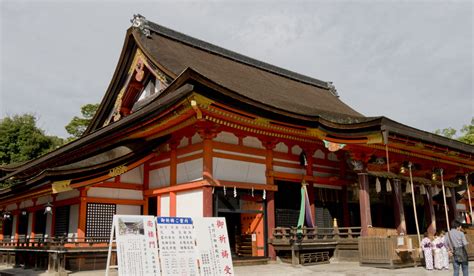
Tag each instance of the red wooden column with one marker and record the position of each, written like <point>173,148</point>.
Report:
<point>173,176</point>
<point>33,218</point>
<point>53,216</point>
<point>398,209</point>
<point>207,135</point>
<point>429,210</point>
<point>270,196</point>
<point>364,202</point>
<point>17,222</point>
<point>81,225</point>
<point>146,182</point>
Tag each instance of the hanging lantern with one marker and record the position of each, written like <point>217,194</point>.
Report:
<point>264,196</point>
<point>408,188</point>
<point>235,191</point>
<point>7,215</point>
<point>377,186</point>
<point>212,190</point>
<point>225,191</point>
<point>24,213</point>
<point>388,186</point>
<point>48,209</point>
<point>448,192</point>
<point>252,191</point>
<point>422,190</point>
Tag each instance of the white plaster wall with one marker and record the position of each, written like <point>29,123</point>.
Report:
<point>26,203</point>
<point>281,147</point>
<point>227,137</point>
<point>332,156</point>
<point>110,179</point>
<point>160,177</point>
<point>30,223</point>
<point>128,209</point>
<point>252,142</point>
<point>189,171</point>
<point>189,204</point>
<point>183,142</point>
<point>73,220</point>
<point>11,207</point>
<point>196,139</point>
<point>69,194</point>
<point>115,193</point>
<point>289,170</point>
<point>133,176</point>
<point>44,200</point>
<point>240,171</point>
<point>49,222</point>
<point>165,206</point>
<point>319,154</point>
<point>296,150</point>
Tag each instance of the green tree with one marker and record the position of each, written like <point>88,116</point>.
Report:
<point>78,125</point>
<point>467,133</point>
<point>21,140</point>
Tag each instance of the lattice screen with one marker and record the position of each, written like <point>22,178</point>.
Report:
<point>99,219</point>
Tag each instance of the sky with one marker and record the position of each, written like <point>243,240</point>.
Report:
<point>410,61</point>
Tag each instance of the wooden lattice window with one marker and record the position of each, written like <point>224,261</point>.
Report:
<point>99,219</point>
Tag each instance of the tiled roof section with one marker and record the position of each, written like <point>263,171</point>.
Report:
<point>203,45</point>
<point>247,77</point>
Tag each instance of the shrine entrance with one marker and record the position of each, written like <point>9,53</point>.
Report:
<point>245,216</point>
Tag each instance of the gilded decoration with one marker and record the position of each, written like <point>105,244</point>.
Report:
<point>118,171</point>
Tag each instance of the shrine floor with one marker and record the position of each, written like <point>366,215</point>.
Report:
<point>332,269</point>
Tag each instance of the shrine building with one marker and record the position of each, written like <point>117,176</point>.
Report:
<point>190,129</point>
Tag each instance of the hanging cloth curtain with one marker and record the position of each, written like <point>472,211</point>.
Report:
<point>305,210</point>
<point>378,188</point>
<point>388,186</point>
<point>408,188</point>
<point>422,190</point>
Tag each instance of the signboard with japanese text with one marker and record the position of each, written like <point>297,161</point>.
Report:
<point>178,253</point>
<point>137,248</point>
<point>213,245</point>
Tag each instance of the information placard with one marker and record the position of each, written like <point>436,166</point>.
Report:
<point>178,253</point>
<point>213,246</point>
<point>137,249</point>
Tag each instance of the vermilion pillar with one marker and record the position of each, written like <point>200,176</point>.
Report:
<point>309,172</point>
<point>364,202</point>
<point>173,176</point>
<point>81,226</point>
<point>398,209</point>
<point>270,197</point>
<point>207,171</point>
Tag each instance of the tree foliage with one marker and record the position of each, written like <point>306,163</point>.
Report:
<point>467,133</point>
<point>78,125</point>
<point>21,140</point>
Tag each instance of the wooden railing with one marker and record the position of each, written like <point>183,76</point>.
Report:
<point>40,241</point>
<point>306,235</point>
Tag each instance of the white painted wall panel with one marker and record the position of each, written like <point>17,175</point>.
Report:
<point>240,171</point>
<point>296,150</point>
<point>183,142</point>
<point>289,170</point>
<point>281,147</point>
<point>133,176</point>
<point>69,194</point>
<point>26,204</point>
<point>114,193</point>
<point>332,156</point>
<point>189,171</point>
<point>128,210</point>
<point>189,204</point>
<point>73,220</point>
<point>44,200</point>
<point>160,177</point>
<point>196,139</point>
<point>319,154</point>
<point>227,137</point>
<point>252,142</point>
<point>165,206</point>
<point>11,207</point>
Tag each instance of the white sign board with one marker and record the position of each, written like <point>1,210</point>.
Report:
<point>213,246</point>
<point>178,253</point>
<point>137,249</point>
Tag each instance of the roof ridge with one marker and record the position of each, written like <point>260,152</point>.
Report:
<point>206,46</point>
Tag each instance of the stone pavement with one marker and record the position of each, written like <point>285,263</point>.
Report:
<point>332,269</point>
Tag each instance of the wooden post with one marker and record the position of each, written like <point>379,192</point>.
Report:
<point>81,225</point>
<point>270,212</point>
<point>207,171</point>
<point>398,209</point>
<point>429,210</point>
<point>364,202</point>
